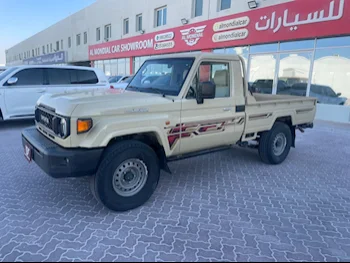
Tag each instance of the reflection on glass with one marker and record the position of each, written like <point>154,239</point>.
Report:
<point>262,73</point>
<point>107,67</point>
<point>136,64</point>
<point>333,42</point>
<point>331,76</point>
<point>127,66</point>
<point>297,45</point>
<point>219,51</point>
<point>264,48</point>
<point>114,67</point>
<point>242,51</point>
<point>121,66</point>
<point>294,69</point>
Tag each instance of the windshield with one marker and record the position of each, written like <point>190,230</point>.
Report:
<point>162,75</point>
<point>115,78</point>
<point>7,72</point>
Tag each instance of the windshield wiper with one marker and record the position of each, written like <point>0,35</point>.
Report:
<point>159,92</point>
<point>150,89</point>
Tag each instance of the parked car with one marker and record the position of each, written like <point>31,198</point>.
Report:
<point>117,79</point>
<point>122,84</point>
<point>22,86</point>
<point>124,139</point>
<point>265,86</point>
<point>2,69</point>
<point>323,93</point>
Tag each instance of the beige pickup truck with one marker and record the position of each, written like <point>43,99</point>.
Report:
<point>176,106</point>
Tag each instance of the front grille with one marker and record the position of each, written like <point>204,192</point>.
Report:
<point>45,118</point>
<point>50,121</point>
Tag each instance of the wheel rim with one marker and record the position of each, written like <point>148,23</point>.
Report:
<point>130,177</point>
<point>279,144</point>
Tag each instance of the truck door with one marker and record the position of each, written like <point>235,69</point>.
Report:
<point>217,122</point>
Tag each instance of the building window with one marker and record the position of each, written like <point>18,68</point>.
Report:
<point>33,54</point>
<point>62,44</point>
<point>57,45</point>
<point>78,40</point>
<point>51,47</point>
<point>126,26</point>
<point>85,38</point>
<point>138,23</point>
<point>198,8</point>
<point>108,32</point>
<point>43,49</point>
<point>225,4</point>
<point>161,16</point>
<point>69,42</point>
<point>330,71</point>
<point>98,34</point>
<point>47,48</point>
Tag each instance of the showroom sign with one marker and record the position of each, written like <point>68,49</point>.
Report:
<point>55,58</point>
<point>283,22</point>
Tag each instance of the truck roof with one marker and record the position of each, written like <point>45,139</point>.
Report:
<point>198,55</point>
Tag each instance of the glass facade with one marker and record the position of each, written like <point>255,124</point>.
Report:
<point>318,68</point>
<point>114,67</point>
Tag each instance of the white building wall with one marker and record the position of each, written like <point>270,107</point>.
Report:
<point>113,12</point>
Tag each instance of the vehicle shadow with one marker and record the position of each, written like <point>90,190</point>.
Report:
<point>16,124</point>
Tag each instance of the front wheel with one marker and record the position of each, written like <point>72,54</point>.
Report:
<point>127,176</point>
<point>274,145</point>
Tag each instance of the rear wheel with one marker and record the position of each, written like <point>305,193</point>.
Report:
<point>274,145</point>
<point>127,177</point>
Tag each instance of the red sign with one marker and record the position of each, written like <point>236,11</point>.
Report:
<point>289,21</point>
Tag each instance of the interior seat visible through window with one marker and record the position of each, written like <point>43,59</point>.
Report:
<point>221,80</point>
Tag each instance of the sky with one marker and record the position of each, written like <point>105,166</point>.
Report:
<point>21,19</point>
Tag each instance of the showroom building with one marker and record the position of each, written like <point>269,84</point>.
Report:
<point>290,47</point>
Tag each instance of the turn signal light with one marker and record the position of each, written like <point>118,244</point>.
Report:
<point>84,125</point>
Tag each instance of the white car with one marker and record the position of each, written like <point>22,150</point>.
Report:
<point>22,86</point>
<point>2,69</point>
<point>117,79</point>
<point>121,84</point>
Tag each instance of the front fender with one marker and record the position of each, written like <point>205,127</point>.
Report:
<point>104,131</point>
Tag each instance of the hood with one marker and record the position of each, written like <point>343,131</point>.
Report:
<point>102,102</point>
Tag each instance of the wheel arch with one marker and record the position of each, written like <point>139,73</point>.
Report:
<point>289,121</point>
<point>152,139</point>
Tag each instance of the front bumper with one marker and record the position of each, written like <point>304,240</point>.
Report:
<point>60,162</point>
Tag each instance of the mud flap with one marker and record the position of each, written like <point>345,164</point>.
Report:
<point>293,136</point>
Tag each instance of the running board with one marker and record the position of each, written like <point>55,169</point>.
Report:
<point>22,116</point>
<point>198,153</point>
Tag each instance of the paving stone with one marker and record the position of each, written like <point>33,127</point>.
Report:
<point>226,206</point>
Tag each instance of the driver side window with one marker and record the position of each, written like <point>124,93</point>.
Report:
<point>215,72</point>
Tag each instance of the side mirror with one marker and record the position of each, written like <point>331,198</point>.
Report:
<point>206,90</point>
<point>12,81</point>
<point>338,94</point>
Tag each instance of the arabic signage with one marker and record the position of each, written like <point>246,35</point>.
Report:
<point>283,22</point>
<point>49,59</point>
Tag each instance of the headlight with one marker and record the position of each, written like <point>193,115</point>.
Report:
<point>63,128</point>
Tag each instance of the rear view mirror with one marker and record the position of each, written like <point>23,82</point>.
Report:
<point>206,90</point>
<point>12,81</point>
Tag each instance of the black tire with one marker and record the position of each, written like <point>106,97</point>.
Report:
<point>267,142</point>
<point>102,184</point>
